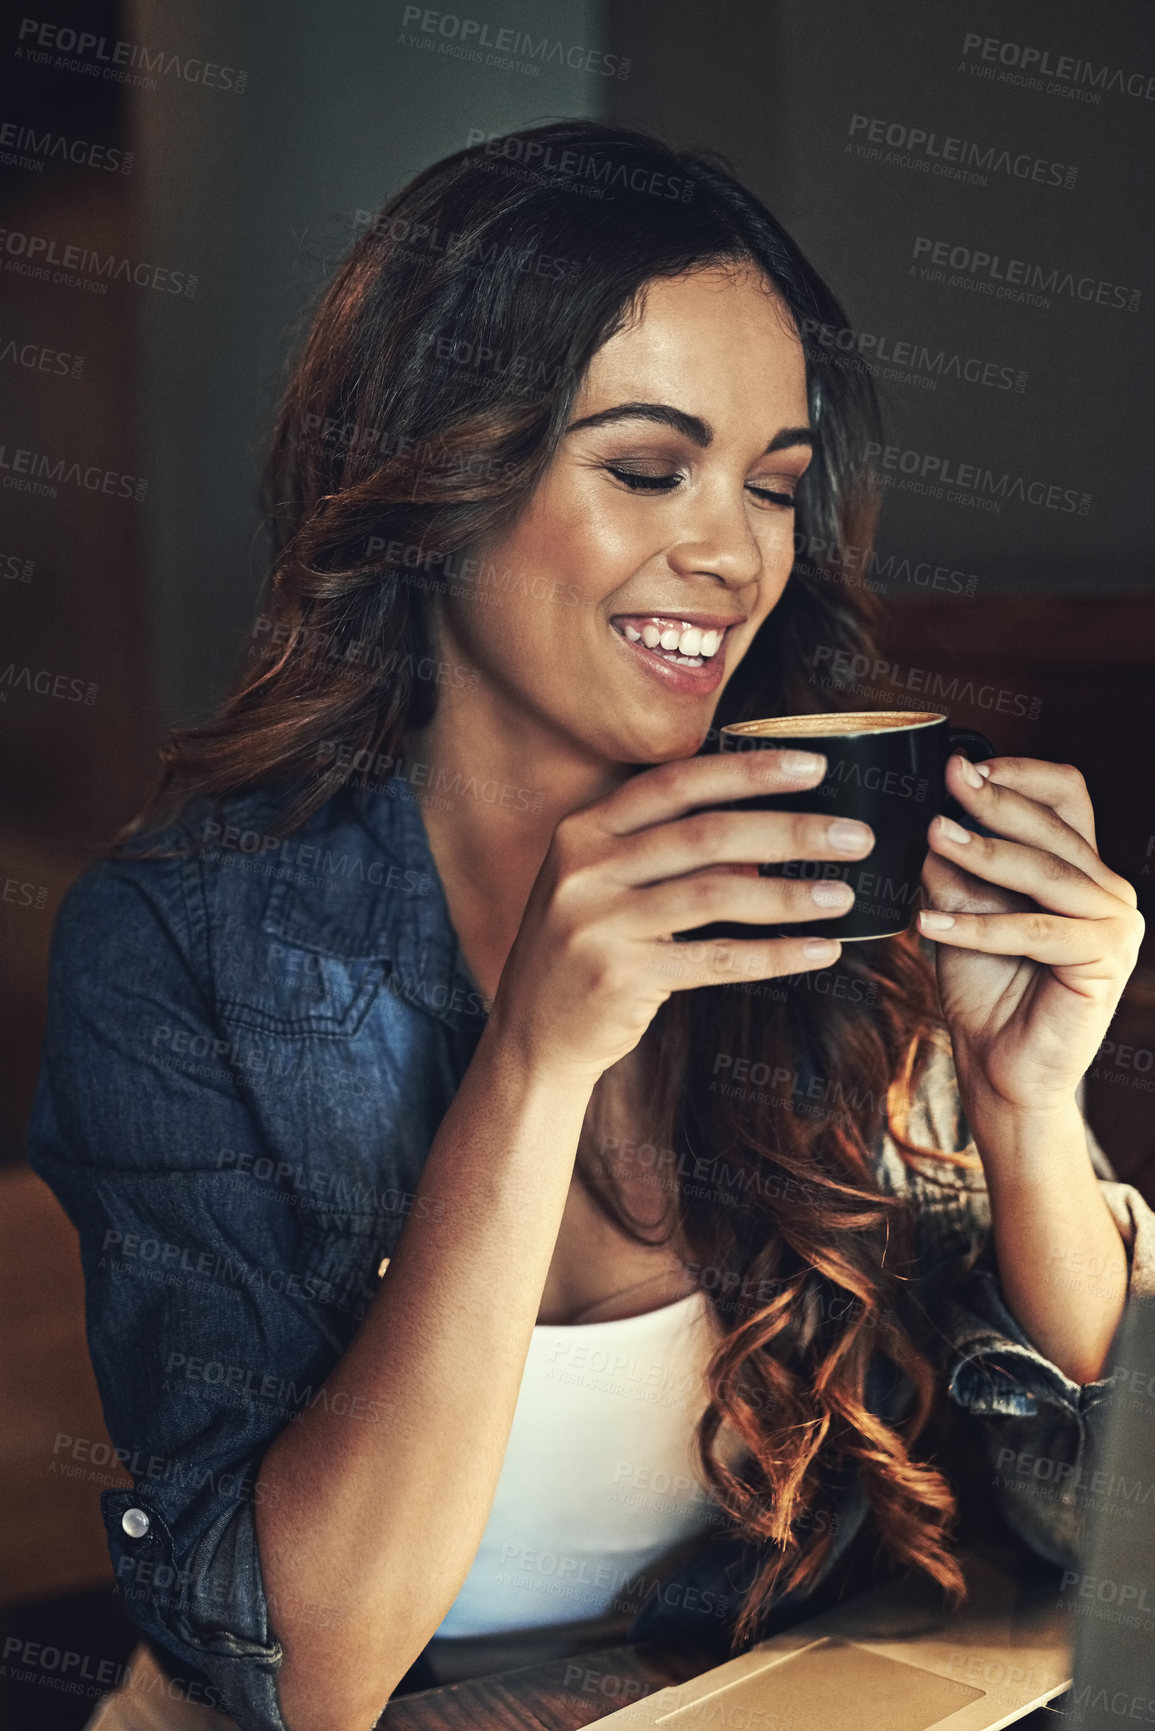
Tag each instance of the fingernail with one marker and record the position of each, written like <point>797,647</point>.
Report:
<point>953,831</point>
<point>821,949</point>
<point>969,773</point>
<point>984,770</point>
<point>802,762</point>
<point>832,895</point>
<point>848,836</point>
<point>932,921</point>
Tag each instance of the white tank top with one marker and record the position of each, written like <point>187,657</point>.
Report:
<point>599,1480</point>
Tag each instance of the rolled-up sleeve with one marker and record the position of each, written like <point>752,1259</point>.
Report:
<point>200,1341</point>
<point>1040,1433</point>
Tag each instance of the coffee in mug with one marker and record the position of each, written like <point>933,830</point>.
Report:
<point>886,768</point>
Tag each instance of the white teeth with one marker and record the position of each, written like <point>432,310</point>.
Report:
<point>683,642</point>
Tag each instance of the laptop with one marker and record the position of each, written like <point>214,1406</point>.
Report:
<point>1113,1593</point>
<point>890,1661</point>
<point>887,1661</point>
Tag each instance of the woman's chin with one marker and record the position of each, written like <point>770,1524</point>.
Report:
<point>650,746</point>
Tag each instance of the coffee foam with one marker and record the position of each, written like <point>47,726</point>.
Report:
<point>834,725</point>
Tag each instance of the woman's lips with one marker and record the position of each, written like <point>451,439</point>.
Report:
<point>693,674</point>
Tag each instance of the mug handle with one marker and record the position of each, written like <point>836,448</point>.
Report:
<point>975,746</point>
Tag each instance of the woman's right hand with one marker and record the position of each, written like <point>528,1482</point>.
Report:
<point>594,957</point>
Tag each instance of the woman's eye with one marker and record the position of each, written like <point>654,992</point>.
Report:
<point>642,483</point>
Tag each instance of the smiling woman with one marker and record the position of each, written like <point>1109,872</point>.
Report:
<point>590,1332</point>
<point>672,530</point>
<point>684,517</point>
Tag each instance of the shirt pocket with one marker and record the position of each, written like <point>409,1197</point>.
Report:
<point>294,976</point>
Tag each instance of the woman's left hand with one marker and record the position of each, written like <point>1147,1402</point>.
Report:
<point>1043,934</point>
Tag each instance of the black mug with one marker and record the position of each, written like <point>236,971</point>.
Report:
<point>887,769</point>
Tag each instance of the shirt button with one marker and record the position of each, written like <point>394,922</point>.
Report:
<point>135,1523</point>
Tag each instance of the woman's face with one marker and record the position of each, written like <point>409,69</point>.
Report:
<point>667,505</point>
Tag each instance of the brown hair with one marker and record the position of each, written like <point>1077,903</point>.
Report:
<point>406,434</point>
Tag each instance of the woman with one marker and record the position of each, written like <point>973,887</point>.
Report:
<point>384,1100</point>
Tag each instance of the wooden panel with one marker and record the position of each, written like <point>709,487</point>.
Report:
<point>51,1534</point>
<point>1115,629</point>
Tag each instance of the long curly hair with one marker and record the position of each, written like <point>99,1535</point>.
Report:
<point>432,389</point>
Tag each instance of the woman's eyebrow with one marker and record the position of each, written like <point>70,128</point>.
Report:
<point>693,427</point>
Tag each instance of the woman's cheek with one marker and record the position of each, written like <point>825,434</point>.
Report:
<point>606,544</point>
<point>777,543</point>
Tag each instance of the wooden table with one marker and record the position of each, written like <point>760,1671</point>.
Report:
<point>559,1696</point>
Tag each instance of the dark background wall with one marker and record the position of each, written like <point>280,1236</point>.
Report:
<point>126,610</point>
<point>789,92</point>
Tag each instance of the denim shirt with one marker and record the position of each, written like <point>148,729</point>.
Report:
<point>248,1054</point>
